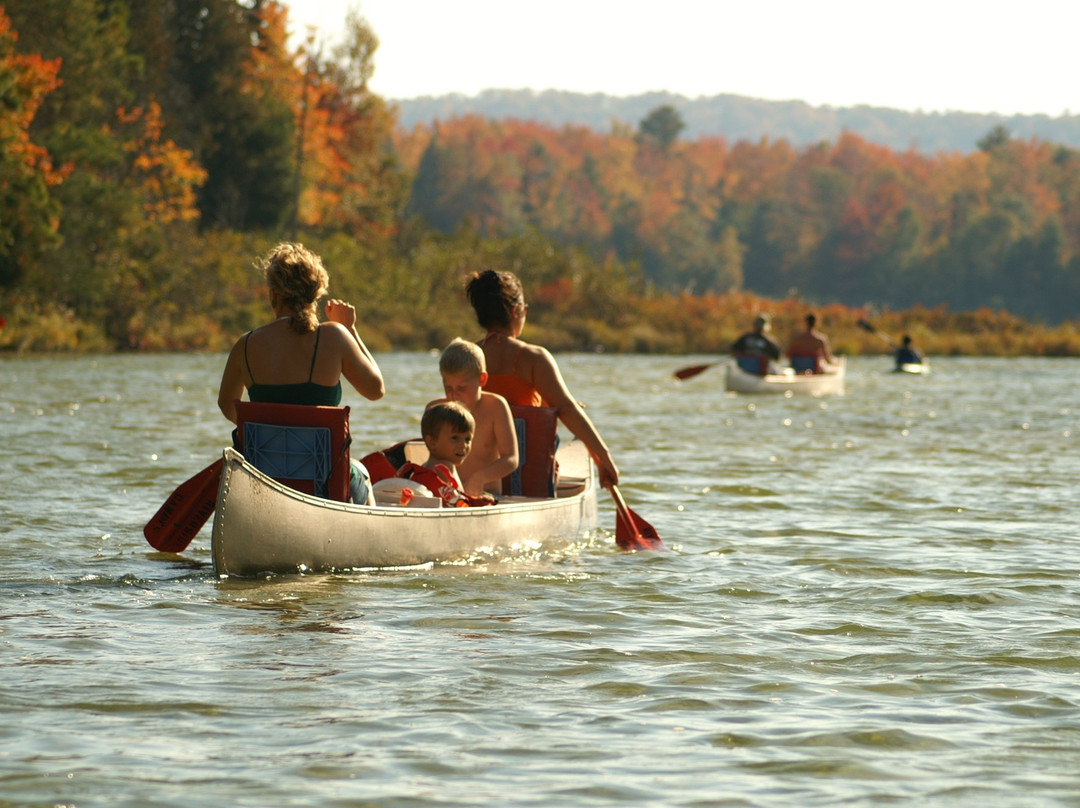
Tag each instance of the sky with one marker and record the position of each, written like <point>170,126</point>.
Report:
<point>1016,57</point>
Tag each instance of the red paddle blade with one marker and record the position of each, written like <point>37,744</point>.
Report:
<point>639,535</point>
<point>693,370</point>
<point>631,531</point>
<point>183,514</point>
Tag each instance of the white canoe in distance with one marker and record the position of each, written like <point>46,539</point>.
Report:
<point>914,368</point>
<point>261,526</point>
<point>831,382</point>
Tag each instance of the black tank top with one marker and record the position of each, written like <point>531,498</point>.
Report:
<point>297,393</point>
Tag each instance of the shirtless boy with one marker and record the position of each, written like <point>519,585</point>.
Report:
<point>494,451</point>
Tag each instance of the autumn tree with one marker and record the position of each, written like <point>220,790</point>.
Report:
<point>28,212</point>
<point>124,179</point>
<point>348,176</point>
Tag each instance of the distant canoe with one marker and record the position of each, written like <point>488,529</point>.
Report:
<point>830,382</point>
<point>915,368</point>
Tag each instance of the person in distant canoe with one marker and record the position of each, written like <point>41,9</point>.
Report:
<point>906,355</point>
<point>528,374</point>
<point>294,359</point>
<point>809,350</point>
<point>754,350</point>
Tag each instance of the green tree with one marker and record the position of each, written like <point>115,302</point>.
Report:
<point>661,127</point>
<point>995,139</point>
<point>240,128</point>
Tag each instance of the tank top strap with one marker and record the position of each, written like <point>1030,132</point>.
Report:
<point>247,364</point>
<point>315,353</point>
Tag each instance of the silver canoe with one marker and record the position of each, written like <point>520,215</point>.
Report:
<point>261,526</point>
<point>831,382</point>
<point>914,368</point>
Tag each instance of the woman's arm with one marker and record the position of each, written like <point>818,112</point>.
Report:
<point>232,383</point>
<point>358,366</point>
<point>547,378</point>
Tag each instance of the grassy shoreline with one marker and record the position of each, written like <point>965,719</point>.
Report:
<point>660,325</point>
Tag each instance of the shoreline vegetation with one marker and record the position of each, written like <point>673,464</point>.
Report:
<point>152,151</point>
<point>414,300</point>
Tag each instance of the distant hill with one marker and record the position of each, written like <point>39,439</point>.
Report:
<point>736,117</point>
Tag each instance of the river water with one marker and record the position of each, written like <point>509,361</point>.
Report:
<point>870,599</point>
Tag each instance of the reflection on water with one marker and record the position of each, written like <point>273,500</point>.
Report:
<point>869,599</point>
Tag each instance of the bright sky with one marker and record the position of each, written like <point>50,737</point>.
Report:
<point>934,55</point>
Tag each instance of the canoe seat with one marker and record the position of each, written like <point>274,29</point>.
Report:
<point>384,463</point>
<point>537,471</point>
<point>805,363</point>
<point>752,363</point>
<point>303,447</point>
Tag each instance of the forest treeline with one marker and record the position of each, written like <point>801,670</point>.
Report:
<point>152,149</point>
<point>850,221</point>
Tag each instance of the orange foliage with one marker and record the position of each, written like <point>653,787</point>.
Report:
<point>33,78</point>
<point>166,175</point>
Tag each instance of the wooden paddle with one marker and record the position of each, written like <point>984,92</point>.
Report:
<point>182,515</point>
<point>693,370</point>
<point>632,533</point>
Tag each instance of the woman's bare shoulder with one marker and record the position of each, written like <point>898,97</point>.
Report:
<point>332,327</point>
<point>537,353</point>
<point>335,334</point>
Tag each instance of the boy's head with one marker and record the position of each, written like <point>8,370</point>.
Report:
<point>447,429</point>
<point>463,370</point>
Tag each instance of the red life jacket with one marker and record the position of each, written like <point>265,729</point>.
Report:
<point>440,480</point>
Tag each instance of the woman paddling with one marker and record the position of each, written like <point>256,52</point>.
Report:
<point>528,374</point>
<point>294,359</point>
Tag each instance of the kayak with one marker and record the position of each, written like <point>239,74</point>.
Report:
<point>914,368</point>
<point>829,382</point>
<point>262,526</point>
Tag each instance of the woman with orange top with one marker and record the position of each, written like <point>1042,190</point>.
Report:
<point>528,374</point>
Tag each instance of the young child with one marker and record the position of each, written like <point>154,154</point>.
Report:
<point>495,450</point>
<point>447,428</point>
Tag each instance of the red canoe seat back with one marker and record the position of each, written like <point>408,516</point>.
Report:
<point>301,446</point>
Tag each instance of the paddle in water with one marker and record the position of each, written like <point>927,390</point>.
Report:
<point>182,515</point>
<point>693,370</point>
<point>631,531</point>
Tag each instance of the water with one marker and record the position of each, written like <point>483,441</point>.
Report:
<point>870,600</point>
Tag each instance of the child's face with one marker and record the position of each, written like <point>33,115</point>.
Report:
<point>449,446</point>
<point>462,387</point>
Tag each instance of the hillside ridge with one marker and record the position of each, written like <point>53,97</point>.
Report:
<point>737,117</point>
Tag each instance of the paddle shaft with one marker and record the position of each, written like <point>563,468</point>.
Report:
<point>868,327</point>
<point>623,511</point>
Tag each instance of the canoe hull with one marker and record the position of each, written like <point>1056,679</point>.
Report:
<point>737,380</point>
<point>261,526</point>
<point>914,368</point>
